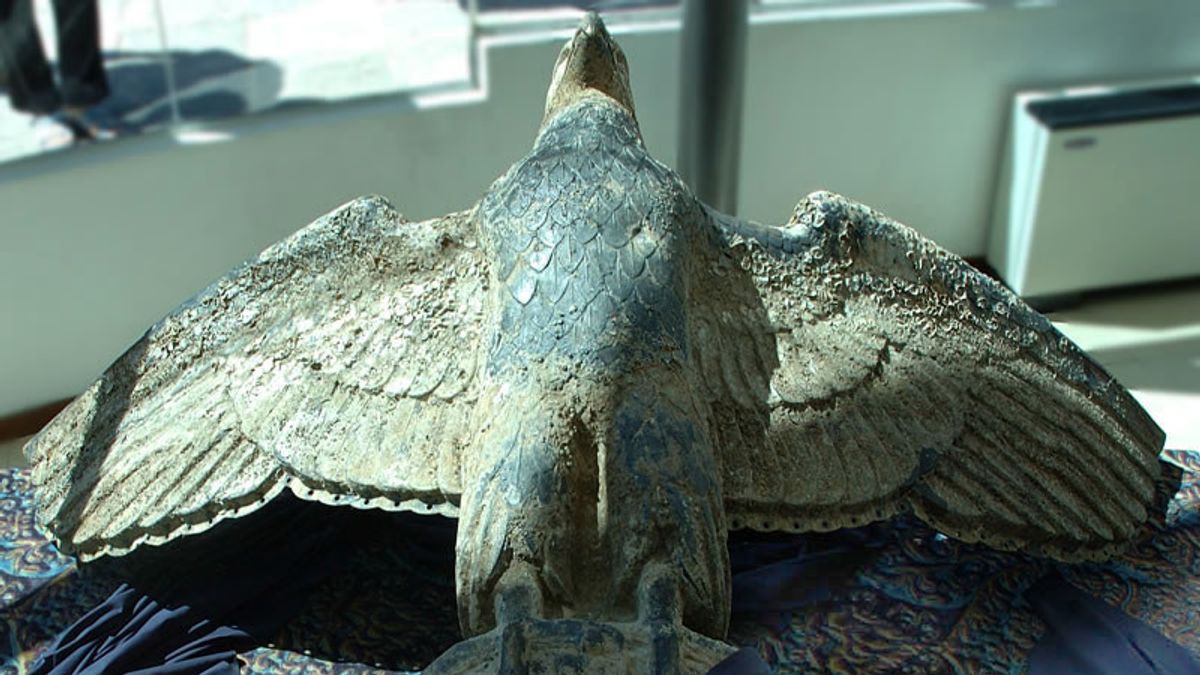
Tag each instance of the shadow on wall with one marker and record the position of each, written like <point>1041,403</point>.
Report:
<point>210,84</point>
<point>610,5</point>
<point>597,5</point>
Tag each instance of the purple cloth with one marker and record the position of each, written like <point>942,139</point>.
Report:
<point>1090,637</point>
<point>191,608</point>
<point>130,633</point>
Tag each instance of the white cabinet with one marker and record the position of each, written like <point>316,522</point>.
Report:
<point>1100,187</point>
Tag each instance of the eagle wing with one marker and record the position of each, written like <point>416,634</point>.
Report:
<point>859,371</point>
<point>340,363</point>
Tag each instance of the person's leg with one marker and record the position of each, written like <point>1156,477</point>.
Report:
<point>81,67</point>
<point>30,84</point>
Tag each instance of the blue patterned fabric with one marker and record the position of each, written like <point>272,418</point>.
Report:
<point>378,597</point>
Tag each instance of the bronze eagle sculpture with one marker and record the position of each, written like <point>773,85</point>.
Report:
<point>600,376</point>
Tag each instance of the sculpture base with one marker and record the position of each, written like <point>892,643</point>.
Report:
<point>581,646</point>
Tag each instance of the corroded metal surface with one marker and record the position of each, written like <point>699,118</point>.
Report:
<point>600,376</point>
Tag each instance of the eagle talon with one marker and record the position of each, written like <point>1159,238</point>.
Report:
<point>659,611</point>
<point>512,645</point>
<point>658,597</point>
<point>518,596</point>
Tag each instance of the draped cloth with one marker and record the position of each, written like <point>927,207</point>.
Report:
<point>338,590</point>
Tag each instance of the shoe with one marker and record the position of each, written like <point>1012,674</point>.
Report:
<point>54,132</point>
<point>96,123</point>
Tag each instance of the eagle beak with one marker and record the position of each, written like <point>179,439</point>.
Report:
<point>592,24</point>
<point>590,64</point>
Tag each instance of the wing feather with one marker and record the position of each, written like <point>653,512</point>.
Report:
<point>282,374</point>
<point>900,379</point>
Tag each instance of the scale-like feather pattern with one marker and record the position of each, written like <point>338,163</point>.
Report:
<point>901,379</point>
<point>339,363</point>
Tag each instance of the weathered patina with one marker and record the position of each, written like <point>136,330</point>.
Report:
<point>600,376</point>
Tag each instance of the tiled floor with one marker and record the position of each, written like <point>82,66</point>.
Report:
<point>10,452</point>
<point>1149,341</point>
<point>232,58</point>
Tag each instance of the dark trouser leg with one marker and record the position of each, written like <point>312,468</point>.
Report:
<point>30,84</point>
<point>80,64</point>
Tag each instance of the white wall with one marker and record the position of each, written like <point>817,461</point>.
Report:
<point>908,113</point>
<point>904,113</point>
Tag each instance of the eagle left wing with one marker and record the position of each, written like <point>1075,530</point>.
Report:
<point>856,370</point>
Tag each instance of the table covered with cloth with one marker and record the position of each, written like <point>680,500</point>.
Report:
<point>307,588</point>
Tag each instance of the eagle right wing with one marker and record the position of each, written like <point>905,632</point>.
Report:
<point>340,363</point>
